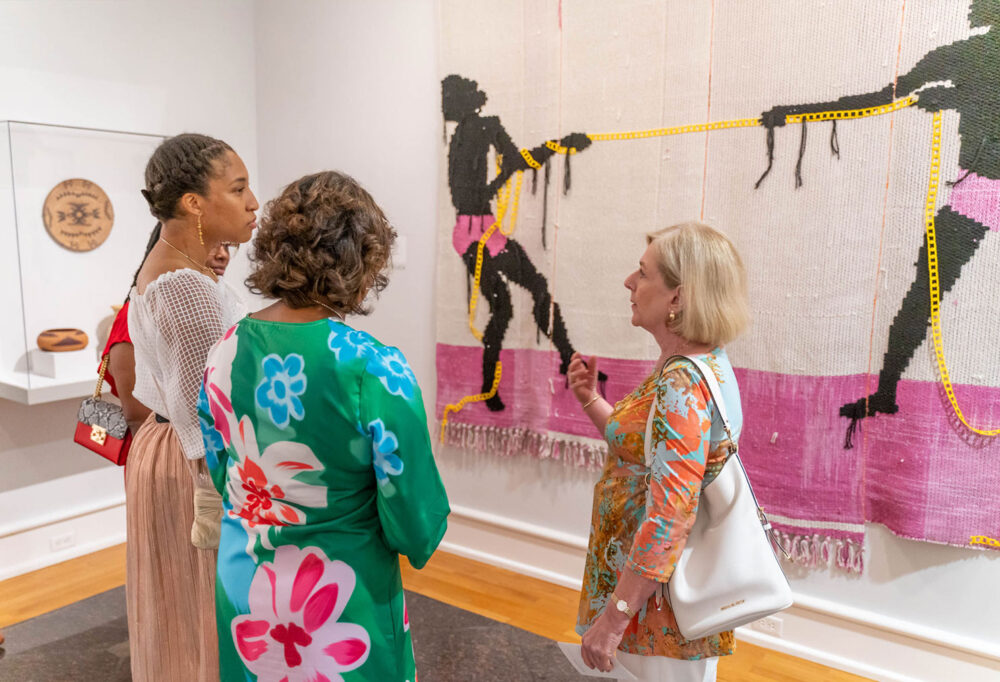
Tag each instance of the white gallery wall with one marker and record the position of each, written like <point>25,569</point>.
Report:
<point>304,85</point>
<point>149,67</point>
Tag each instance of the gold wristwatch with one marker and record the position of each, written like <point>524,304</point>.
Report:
<point>622,605</point>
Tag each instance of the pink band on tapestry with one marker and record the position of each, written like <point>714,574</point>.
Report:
<point>470,228</point>
<point>977,198</point>
<point>923,481</point>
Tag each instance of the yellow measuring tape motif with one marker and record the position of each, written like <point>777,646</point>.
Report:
<point>455,407</point>
<point>746,123</point>
<point>503,198</point>
<point>834,115</point>
<point>677,130</point>
<point>530,160</point>
<point>513,209</point>
<point>474,296</point>
<point>559,149</point>
<point>935,285</point>
<point>853,113</point>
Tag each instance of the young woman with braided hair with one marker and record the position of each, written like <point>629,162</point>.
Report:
<point>197,187</point>
<point>120,372</point>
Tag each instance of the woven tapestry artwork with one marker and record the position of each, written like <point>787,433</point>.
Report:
<point>850,149</point>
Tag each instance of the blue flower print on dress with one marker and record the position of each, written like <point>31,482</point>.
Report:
<point>392,369</point>
<point>210,436</point>
<point>384,447</point>
<point>284,381</point>
<point>347,343</point>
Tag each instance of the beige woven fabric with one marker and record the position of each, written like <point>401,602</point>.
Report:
<point>170,585</point>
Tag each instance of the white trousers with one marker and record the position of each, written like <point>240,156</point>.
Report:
<point>663,669</point>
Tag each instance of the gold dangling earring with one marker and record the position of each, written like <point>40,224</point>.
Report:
<point>200,237</point>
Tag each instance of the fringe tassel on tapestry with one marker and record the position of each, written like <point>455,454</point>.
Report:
<point>508,442</point>
<point>816,550</point>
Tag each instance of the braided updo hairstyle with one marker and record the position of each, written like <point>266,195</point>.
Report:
<point>181,164</point>
<point>324,239</point>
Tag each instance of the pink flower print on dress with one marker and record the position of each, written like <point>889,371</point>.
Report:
<point>262,485</point>
<point>293,632</point>
<point>219,385</point>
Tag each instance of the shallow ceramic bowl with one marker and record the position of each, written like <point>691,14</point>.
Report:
<point>62,340</point>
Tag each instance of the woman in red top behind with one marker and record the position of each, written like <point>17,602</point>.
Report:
<point>120,373</point>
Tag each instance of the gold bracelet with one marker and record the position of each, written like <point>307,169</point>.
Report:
<point>591,401</point>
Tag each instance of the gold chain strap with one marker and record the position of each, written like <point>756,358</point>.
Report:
<point>100,376</point>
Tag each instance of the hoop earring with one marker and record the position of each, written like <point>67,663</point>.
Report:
<point>202,238</point>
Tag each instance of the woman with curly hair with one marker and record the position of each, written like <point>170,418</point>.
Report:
<point>316,436</point>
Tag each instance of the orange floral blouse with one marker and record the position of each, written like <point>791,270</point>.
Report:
<point>643,526</point>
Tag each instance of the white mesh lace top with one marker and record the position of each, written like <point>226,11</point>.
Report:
<point>173,324</point>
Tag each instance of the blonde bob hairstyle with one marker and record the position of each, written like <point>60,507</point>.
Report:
<point>705,264</point>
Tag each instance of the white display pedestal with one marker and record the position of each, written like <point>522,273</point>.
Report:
<point>53,376</point>
<point>60,365</point>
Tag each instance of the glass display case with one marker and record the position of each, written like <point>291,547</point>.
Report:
<point>73,228</point>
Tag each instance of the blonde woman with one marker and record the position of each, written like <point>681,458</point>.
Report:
<point>689,293</point>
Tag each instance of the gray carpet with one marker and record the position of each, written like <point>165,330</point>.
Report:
<point>88,641</point>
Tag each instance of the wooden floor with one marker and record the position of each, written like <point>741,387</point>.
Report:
<point>534,605</point>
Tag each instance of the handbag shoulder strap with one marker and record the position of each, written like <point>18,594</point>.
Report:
<point>714,389</point>
<point>716,392</point>
<point>100,375</point>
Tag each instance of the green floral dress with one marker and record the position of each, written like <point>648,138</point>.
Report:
<point>316,437</point>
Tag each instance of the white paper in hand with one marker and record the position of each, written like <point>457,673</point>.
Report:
<point>572,652</point>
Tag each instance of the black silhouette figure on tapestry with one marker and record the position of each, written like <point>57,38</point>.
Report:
<point>964,76</point>
<point>504,259</point>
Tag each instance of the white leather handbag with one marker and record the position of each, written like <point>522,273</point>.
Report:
<point>728,574</point>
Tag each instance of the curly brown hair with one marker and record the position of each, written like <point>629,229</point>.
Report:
<point>323,240</point>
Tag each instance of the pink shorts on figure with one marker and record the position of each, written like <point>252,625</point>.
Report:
<point>468,230</point>
<point>977,198</point>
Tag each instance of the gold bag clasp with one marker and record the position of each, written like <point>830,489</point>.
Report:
<point>98,434</point>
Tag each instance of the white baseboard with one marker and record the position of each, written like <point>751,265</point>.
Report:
<point>860,642</point>
<point>52,522</point>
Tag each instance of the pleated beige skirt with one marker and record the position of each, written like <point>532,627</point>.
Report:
<point>170,585</point>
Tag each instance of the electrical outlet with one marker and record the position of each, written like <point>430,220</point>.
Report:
<point>771,625</point>
<point>57,543</point>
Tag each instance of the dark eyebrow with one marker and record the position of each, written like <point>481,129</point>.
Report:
<point>238,180</point>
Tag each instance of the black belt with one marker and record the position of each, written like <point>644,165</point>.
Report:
<point>160,419</point>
